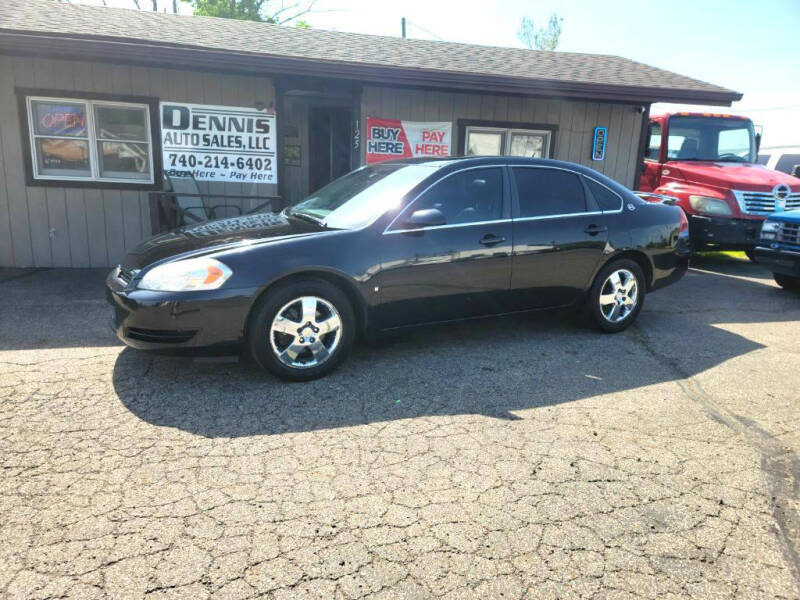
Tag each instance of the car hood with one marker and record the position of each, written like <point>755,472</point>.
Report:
<point>737,176</point>
<point>246,229</point>
<point>789,216</point>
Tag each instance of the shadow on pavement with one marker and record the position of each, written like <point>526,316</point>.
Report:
<point>54,308</point>
<point>489,367</point>
<point>721,263</point>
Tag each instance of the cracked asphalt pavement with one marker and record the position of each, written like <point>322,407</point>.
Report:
<point>507,458</point>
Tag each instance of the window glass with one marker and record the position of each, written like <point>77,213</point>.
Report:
<point>470,196</point>
<point>711,138</point>
<point>61,156</point>
<point>544,192</point>
<point>124,160</point>
<point>605,198</point>
<point>527,144</point>
<point>90,140</point>
<point>120,123</point>
<point>358,198</point>
<point>490,141</point>
<point>733,141</point>
<point>787,162</point>
<point>654,145</point>
<point>484,143</point>
<point>65,119</point>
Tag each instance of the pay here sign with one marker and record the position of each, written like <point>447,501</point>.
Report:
<point>392,138</point>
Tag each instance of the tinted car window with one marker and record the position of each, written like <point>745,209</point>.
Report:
<point>605,198</point>
<point>545,192</point>
<point>787,162</point>
<point>467,197</point>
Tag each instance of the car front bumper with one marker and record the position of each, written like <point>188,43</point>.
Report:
<point>779,260</point>
<point>178,322</point>
<point>726,233</point>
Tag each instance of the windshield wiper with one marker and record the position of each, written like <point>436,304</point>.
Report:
<point>307,217</point>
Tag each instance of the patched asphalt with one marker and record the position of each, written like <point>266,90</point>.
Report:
<point>504,458</point>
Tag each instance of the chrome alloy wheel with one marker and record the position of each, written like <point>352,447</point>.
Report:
<point>305,332</point>
<point>619,295</point>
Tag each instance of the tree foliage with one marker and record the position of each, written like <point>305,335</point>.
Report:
<point>542,38</point>
<point>263,11</point>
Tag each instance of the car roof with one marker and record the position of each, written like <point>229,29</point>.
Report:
<point>468,161</point>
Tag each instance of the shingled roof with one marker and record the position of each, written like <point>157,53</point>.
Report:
<point>62,29</point>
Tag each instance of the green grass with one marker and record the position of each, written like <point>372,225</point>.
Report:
<point>724,255</point>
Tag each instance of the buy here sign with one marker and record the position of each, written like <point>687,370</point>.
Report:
<point>389,139</point>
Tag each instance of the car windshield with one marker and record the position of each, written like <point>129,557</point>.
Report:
<point>719,139</point>
<point>360,197</point>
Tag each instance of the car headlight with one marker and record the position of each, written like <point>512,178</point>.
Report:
<point>190,275</point>
<point>769,230</point>
<point>709,206</point>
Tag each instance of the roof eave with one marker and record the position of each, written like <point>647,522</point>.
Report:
<point>161,55</point>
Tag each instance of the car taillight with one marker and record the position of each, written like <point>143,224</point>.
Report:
<point>684,222</point>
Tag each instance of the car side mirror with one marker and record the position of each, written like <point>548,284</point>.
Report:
<point>426,217</point>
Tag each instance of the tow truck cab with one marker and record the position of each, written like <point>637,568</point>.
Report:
<point>708,162</point>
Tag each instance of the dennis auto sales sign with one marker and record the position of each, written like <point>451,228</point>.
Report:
<point>218,143</point>
<point>392,138</point>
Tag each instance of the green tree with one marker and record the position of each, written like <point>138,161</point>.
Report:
<point>263,11</point>
<point>543,38</point>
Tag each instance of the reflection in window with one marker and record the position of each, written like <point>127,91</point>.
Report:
<point>471,196</point>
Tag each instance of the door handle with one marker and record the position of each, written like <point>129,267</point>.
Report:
<point>491,240</point>
<point>595,229</point>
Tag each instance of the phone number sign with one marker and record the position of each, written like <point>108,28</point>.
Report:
<point>218,143</point>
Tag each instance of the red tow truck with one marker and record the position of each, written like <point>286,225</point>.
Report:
<point>706,162</point>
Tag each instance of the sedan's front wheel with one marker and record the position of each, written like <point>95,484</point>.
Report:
<point>617,295</point>
<point>302,330</point>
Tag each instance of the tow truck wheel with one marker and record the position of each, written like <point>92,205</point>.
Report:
<point>787,282</point>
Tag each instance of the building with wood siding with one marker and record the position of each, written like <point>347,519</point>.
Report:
<point>84,92</point>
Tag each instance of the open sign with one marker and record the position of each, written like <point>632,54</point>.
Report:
<point>599,143</point>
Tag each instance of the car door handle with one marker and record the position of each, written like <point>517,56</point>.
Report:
<point>595,229</point>
<point>491,240</point>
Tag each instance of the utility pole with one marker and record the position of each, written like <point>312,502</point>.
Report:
<point>403,26</point>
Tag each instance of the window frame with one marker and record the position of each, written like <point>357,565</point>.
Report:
<point>25,97</point>
<point>507,128</point>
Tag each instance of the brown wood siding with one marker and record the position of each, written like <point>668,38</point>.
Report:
<point>74,227</point>
<point>575,120</point>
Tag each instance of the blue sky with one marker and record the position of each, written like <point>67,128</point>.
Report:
<point>752,47</point>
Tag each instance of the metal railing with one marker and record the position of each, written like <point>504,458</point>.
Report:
<point>167,212</point>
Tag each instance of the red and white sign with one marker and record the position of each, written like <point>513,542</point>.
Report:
<point>388,139</point>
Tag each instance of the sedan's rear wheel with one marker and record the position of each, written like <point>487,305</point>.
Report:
<point>617,295</point>
<point>302,330</point>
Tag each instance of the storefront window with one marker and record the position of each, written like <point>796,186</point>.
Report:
<point>489,141</point>
<point>87,140</point>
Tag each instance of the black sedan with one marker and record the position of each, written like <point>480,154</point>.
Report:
<point>393,245</point>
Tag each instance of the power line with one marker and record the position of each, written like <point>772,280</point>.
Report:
<point>768,108</point>
<point>424,30</point>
